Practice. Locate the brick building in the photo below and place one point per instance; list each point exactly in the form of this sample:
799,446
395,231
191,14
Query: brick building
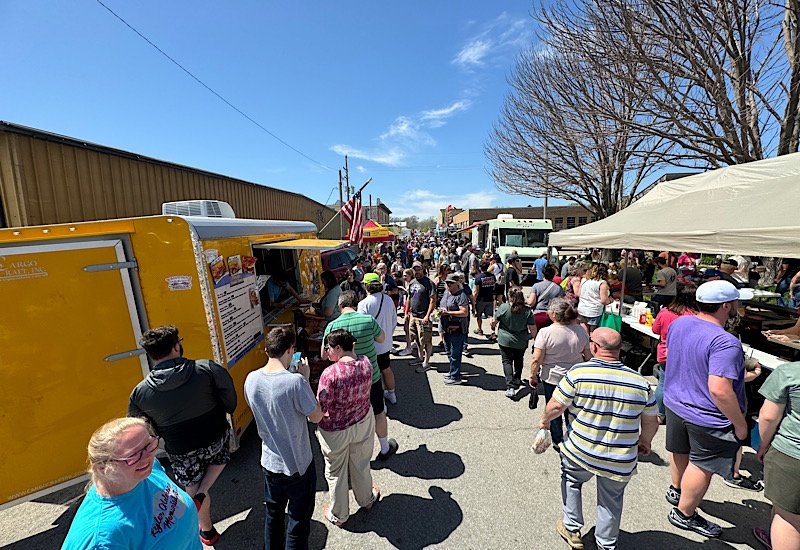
563,217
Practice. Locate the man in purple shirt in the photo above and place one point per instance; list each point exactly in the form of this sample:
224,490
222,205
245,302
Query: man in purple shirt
705,401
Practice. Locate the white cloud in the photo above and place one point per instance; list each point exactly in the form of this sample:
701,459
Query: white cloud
404,136
435,117
473,53
424,203
361,169
388,157
498,37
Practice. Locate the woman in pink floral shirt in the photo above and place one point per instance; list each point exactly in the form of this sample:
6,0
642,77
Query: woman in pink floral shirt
346,430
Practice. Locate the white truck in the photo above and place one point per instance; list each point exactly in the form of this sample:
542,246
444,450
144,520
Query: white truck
505,234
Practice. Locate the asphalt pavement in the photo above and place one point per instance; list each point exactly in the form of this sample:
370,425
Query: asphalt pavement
464,477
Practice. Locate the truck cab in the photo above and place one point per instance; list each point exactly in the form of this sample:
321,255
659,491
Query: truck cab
505,234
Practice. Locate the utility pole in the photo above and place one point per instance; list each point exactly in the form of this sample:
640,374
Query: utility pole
341,204
369,215
347,177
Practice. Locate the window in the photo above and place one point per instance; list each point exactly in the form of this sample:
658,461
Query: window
281,266
581,220
570,222
559,224
524,238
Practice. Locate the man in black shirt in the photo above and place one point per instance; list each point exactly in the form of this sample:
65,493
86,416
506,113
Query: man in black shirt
484,297
186,402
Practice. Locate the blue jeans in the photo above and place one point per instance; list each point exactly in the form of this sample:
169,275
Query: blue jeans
298,491
556,427
662,410
454,344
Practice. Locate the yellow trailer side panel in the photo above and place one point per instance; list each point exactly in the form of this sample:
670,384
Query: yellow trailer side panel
57,388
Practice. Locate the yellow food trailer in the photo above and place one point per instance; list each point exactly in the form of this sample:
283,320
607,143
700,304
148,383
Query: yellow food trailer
77,297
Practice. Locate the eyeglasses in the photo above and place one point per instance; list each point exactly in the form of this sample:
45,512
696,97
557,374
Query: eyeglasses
151,446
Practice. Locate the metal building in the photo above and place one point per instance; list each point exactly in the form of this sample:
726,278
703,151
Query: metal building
47,178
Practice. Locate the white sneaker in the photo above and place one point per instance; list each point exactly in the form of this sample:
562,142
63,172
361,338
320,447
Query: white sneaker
406,352
390,396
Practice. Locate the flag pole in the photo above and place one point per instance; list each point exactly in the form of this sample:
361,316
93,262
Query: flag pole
340,211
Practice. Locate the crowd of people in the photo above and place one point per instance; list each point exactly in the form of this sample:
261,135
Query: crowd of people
601,414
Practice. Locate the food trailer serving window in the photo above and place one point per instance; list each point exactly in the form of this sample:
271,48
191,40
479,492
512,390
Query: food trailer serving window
279,261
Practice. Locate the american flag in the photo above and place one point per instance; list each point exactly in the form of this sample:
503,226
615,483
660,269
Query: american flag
351,211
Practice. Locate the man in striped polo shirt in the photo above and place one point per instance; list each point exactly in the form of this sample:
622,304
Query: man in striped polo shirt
614,417
366,330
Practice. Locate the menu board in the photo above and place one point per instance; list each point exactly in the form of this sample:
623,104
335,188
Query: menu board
238,304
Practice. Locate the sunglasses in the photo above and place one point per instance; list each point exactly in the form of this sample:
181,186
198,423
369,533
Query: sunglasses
151,446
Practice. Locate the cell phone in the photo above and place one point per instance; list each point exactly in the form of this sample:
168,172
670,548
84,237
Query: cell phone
295,361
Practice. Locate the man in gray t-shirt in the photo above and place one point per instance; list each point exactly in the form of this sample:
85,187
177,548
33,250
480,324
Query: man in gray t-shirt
281,401
667,280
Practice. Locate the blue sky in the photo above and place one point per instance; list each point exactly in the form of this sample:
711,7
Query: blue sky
410,90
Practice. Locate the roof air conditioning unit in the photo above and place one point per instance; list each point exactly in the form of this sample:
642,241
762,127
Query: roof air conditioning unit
505,216
202,208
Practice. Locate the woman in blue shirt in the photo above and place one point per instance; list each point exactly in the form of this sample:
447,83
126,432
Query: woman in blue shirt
131,503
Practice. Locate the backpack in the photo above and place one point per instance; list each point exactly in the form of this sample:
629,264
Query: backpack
501,277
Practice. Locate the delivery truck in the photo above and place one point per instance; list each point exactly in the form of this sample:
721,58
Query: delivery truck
77,297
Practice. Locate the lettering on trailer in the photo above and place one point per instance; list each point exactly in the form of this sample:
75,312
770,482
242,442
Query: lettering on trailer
20,269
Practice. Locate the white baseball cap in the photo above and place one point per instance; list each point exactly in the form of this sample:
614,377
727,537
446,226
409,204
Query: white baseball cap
719,292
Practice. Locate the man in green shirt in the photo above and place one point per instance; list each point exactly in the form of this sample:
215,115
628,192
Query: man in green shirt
779,451
366,330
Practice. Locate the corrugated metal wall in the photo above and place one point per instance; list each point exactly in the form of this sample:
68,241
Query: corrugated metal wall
47,179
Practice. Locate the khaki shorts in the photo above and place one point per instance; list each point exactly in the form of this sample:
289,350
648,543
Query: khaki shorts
782,480
421,333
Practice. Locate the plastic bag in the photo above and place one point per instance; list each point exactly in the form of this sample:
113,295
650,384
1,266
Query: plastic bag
542,441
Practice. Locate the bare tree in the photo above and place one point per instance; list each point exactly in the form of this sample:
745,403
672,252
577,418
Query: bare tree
718,79
565,133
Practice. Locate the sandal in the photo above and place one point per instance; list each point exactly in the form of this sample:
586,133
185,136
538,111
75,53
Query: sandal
326,513
376,496
476,331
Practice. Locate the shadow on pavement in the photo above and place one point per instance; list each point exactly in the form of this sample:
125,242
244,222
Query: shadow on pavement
55,536
657,539
415,405
744,517
478,377
423,522
424,464
653,458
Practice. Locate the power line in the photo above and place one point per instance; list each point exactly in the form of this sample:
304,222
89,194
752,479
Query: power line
210,89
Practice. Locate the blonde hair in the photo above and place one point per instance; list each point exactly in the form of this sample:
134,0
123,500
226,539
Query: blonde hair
103,443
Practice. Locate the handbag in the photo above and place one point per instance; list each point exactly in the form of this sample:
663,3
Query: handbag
611,320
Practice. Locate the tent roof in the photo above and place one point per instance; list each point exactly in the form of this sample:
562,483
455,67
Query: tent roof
748,209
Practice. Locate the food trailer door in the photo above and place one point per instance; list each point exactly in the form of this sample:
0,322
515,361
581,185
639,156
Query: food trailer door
68,358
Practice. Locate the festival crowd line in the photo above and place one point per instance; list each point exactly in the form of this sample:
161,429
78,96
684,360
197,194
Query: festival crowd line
600,415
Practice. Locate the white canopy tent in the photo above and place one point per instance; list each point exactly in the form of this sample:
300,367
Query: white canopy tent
751,209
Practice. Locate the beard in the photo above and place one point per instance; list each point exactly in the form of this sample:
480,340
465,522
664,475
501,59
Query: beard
180,348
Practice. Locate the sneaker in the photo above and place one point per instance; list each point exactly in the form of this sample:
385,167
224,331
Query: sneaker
393,446
573,538
745,483
390,396
209,538
696,523
405,352
762,536
510,393
424,368
452,381
673,495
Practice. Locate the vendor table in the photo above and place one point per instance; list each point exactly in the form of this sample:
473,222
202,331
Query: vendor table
764,294
768,361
